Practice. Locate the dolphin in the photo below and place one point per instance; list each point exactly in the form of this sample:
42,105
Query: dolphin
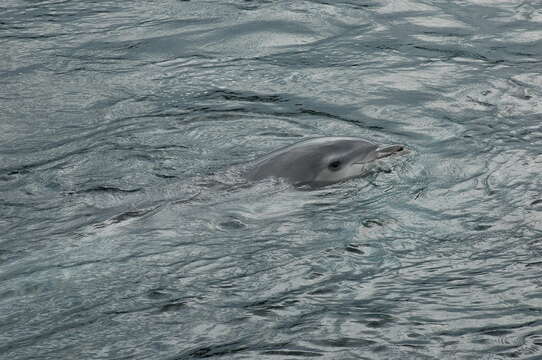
321,161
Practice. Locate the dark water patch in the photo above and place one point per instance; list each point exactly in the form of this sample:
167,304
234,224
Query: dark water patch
248,97
108,189
344,342
290,106
296,353
128,215
216,350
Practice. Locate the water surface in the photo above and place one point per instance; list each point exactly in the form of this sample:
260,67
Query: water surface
128,232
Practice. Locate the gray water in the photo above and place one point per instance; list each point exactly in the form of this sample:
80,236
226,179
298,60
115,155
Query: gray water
127,232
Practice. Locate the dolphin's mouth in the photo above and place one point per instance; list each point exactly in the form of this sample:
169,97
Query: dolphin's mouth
390,150
382,152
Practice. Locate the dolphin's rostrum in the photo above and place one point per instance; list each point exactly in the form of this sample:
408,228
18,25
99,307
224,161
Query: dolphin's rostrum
321,161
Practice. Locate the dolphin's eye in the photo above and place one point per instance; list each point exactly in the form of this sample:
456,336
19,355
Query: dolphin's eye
335,165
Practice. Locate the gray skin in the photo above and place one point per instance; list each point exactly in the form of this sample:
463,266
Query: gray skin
321,161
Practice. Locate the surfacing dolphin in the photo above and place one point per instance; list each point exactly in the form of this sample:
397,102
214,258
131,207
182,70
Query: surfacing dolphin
321,161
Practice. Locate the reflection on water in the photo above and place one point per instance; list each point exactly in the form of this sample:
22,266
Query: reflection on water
128,231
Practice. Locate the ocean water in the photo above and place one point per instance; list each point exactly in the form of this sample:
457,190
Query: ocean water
128,232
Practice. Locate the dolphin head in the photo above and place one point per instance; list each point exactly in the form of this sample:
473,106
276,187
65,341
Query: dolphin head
321,161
